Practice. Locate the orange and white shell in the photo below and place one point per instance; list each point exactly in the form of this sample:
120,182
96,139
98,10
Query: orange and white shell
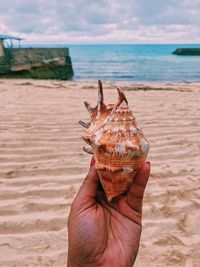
118,144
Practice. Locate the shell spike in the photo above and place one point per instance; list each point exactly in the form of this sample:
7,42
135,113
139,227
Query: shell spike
121,97
88,150
89,108
84,124
100,103
87,105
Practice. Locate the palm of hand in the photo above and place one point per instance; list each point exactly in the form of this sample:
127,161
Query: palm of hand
102,233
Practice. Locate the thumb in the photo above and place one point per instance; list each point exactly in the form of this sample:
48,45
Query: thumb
136,191
89,188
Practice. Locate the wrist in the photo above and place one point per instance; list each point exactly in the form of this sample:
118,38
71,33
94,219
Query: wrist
77,264
71,263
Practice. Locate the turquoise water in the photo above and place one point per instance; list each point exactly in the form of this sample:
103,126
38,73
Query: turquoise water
133,63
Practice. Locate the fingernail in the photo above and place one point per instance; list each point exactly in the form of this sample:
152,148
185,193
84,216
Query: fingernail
149,163
92,162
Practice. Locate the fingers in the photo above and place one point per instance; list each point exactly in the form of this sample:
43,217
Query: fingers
89,188
136,191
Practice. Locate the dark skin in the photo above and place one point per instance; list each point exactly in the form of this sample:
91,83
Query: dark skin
103,233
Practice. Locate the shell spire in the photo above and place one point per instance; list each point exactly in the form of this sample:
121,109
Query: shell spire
117,143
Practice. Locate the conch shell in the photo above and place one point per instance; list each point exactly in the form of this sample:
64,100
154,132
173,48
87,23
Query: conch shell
118,144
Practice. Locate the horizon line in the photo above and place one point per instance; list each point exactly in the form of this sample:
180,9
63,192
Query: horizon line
111,43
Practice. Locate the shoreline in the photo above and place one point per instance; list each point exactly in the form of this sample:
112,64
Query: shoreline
108,84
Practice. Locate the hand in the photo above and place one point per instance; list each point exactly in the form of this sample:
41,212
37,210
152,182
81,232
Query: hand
102,233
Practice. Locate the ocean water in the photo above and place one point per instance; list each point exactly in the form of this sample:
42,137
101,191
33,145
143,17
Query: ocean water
133,63
130,62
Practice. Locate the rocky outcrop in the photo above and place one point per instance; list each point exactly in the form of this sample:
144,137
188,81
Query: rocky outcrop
187,52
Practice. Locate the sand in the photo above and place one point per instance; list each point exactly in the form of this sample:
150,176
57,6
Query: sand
42,165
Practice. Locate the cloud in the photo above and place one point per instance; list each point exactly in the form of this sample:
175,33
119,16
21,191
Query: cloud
87,21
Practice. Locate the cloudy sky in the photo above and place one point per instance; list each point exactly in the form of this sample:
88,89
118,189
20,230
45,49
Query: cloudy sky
102,21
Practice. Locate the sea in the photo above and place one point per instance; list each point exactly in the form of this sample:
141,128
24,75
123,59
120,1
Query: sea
133,62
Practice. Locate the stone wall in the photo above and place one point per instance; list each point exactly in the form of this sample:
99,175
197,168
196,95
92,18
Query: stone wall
39,63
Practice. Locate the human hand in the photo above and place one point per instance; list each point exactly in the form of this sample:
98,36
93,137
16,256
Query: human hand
103,233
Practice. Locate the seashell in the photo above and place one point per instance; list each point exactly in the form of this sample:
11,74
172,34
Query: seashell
118,144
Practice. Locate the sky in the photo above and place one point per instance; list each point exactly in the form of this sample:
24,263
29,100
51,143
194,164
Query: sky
101,21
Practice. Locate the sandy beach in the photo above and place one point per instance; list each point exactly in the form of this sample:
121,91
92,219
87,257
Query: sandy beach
42,166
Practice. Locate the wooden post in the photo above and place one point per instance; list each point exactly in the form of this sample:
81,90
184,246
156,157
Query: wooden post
1,49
